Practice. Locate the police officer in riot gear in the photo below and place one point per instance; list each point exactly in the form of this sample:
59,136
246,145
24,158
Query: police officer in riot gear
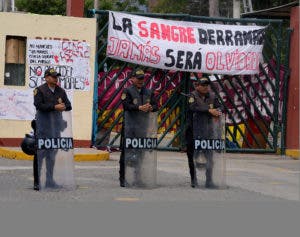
205,103
50,97
139,99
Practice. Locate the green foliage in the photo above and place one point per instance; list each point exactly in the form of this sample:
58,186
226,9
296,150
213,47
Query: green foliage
170,6
58,7
201,7
192,7
116,5
49,7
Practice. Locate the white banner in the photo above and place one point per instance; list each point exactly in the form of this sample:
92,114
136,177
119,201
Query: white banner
185,46
69,58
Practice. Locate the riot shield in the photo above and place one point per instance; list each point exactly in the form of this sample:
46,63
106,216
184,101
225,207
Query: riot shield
140,142
55,150
209,149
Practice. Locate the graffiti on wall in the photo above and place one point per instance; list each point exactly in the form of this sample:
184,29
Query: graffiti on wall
69,58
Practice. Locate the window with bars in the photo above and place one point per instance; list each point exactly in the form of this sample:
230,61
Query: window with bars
15,58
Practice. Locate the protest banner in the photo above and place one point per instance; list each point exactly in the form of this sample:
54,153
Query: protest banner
185,46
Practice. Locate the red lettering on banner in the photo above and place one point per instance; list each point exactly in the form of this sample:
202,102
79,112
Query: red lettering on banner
154,33
229,60
235,60
167,32
136,52
124,47
220,65
127,49
143,32
174,34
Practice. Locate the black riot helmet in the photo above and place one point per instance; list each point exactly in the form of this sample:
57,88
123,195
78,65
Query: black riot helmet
28,144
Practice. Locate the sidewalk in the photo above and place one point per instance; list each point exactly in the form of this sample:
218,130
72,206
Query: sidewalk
80,154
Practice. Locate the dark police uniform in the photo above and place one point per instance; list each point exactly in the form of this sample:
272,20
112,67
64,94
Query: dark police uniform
45,100
133,98
200,105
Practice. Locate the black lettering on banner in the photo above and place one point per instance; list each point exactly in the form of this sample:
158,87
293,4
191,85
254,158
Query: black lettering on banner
261,38
115,26
186,60
228,37
197,60
169,55
179,59
140,143
126,24
258,37
209,144
220,39
247,37
55,143
188,63
211,37
202,36
238,38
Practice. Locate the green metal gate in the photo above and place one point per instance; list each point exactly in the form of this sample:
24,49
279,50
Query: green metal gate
255,106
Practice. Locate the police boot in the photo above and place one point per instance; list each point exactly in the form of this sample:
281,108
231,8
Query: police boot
194,182
36,178
36,186
122,183
209,183
122,178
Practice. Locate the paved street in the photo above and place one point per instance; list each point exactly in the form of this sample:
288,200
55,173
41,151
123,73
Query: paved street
249,177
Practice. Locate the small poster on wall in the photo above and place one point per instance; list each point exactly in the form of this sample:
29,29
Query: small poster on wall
18,104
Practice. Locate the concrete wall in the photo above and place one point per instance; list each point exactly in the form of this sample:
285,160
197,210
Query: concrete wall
49,27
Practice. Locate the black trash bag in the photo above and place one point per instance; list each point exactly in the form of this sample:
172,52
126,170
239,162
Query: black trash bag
28,144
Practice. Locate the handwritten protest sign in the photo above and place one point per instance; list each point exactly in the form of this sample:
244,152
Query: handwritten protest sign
69,58
185,46
18,104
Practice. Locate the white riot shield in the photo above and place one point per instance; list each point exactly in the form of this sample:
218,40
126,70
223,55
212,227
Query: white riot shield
55,150
209,149
140,142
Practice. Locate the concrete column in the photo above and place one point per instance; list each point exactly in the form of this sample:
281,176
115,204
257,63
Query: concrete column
75,8
292,130
236,8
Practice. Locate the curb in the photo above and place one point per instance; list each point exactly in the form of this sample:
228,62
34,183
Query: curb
293,153
82,157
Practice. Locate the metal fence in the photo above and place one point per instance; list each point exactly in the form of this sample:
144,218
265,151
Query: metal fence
255,105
